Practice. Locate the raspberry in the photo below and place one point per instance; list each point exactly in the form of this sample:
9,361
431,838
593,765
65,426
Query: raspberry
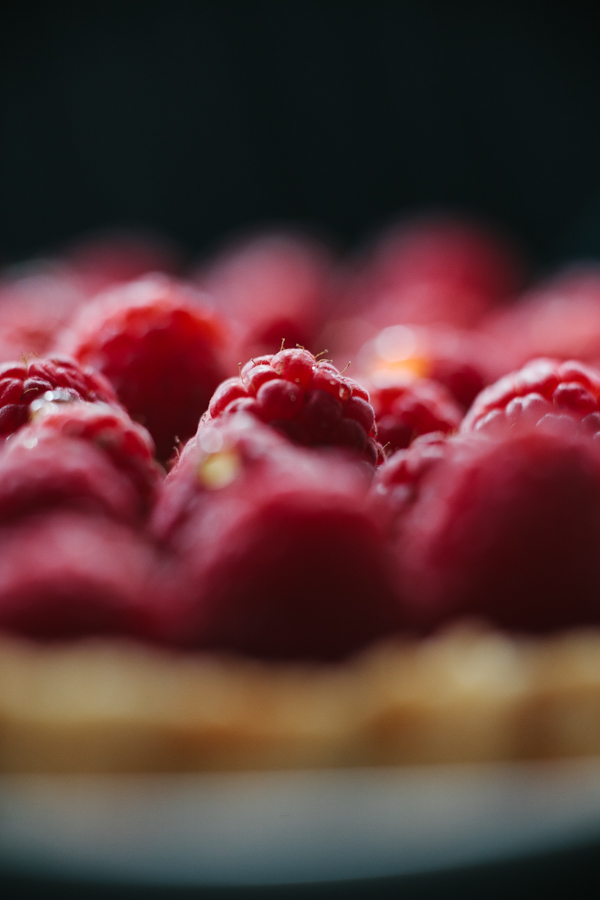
282,557
66,575
220,454
60,378
309,401
113,258
543,388
559,319
507,530
40,470
434,269
273,287
464,362
403,412
128,446
36,301
160,352
465,377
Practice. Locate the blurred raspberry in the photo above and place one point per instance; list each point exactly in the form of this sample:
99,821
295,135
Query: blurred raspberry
542,389
283,558
221,453
308,400
36,301
42,471
463,361
159,347
62,379
102,261
434,269
560,318
273,287
127,444
64,575
506,530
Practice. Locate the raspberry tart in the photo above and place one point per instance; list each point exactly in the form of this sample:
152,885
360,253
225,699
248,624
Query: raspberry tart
285,596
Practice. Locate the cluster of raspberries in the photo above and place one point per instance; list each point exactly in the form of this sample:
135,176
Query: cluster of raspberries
289,511
78,479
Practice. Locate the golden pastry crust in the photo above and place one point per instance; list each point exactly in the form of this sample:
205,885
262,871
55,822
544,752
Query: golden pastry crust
467,695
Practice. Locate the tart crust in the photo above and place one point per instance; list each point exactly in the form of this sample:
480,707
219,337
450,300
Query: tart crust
467,695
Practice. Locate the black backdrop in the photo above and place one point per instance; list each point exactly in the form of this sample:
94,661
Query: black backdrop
196,119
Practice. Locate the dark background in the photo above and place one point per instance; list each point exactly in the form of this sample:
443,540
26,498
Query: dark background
197,119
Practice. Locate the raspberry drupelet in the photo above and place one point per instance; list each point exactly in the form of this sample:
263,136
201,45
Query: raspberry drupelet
404,412
160,347
543,390
307,399
21,383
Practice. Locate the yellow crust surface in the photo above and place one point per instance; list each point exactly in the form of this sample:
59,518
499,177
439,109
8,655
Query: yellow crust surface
464,696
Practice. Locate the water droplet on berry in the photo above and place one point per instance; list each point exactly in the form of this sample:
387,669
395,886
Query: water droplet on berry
60,395
219,469
210,440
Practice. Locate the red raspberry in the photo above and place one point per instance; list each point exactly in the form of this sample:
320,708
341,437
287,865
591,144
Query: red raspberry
403,412
507,530
282,557
40,470
220,454
309,401
464,362
113,258
272,287
465,370
159,351
434,269
60,378
36,301
543,388
66,575
128,445
560,319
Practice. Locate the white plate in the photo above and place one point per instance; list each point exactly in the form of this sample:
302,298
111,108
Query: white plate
293,827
